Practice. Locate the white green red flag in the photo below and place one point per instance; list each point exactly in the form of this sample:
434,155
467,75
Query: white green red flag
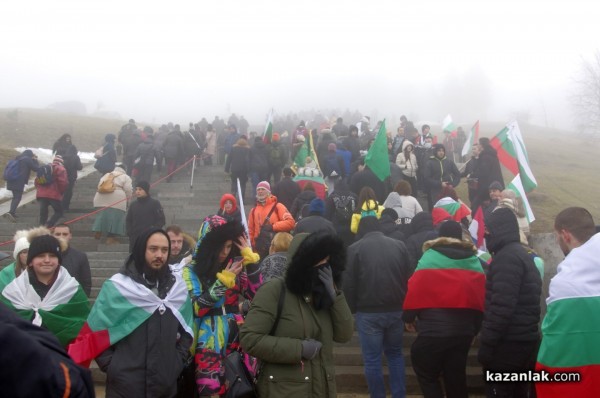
516,186
443,282
512,154
268,133
450,208
62,311
377,158
448,125
477,229
472,138
571,327
121,307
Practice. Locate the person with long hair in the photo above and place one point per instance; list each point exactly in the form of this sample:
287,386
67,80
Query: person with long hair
223,268
295,342
367,206
64,147
407,161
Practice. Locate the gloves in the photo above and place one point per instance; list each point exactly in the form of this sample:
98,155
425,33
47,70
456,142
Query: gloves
249,256
227,278
268,227
326,277
310,349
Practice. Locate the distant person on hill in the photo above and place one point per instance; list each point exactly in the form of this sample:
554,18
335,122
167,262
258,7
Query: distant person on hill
144,213
173,150
51,194
487,170
27,163
211,145
111,221
440,172
237,164
65,148
129,149
144,157
74,261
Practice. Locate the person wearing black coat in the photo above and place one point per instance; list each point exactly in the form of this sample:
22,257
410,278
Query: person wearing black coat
286,189
173,150
145,212
64,147
237,164
106,162
389,225
259,163
364,177
129,149
300,205
315,220
352,143
34,364
339,207
422,231
27,163
486,170
510,331
439,172
144,159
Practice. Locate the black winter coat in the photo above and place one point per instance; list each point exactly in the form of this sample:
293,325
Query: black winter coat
313,223
487,170
238,160
286,190
78,265
440,170
367,178
376,275
173,146
259,159
142,214
422,231
304,198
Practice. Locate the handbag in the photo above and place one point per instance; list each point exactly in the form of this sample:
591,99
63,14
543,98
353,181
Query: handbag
99,153
239,382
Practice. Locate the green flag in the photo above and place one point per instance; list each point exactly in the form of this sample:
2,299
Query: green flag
377,158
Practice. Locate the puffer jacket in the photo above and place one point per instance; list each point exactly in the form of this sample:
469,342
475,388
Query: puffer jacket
407,165
368,206
281,219
513,286
57,187
284,373
422,231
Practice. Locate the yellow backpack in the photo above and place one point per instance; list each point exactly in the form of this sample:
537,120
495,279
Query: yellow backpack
108,184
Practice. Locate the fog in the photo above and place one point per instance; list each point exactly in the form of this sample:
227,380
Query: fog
181,60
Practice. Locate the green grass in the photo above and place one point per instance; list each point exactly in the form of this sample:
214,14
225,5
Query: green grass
566,165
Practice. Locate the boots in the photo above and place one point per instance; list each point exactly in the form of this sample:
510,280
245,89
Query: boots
112,241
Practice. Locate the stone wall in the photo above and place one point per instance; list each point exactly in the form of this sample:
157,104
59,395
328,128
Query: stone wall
546,247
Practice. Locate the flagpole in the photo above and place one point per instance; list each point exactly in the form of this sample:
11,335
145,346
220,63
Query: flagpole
243,211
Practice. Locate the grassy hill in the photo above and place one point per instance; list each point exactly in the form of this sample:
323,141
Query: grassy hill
565,164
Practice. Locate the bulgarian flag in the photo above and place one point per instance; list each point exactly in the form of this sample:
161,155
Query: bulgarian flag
443,282
513,155
121,307
477,229
448,125
454,210
516,185
62,311
268,133
377,158
471,139
571,327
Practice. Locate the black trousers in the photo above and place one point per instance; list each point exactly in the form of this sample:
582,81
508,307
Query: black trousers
512,357
58,212
14,203
441,357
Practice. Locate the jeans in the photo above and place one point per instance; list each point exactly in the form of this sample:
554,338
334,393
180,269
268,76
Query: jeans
56,206
379,333
14,203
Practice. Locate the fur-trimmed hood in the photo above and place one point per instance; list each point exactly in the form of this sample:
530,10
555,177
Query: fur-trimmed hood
314,248
445,241
40,231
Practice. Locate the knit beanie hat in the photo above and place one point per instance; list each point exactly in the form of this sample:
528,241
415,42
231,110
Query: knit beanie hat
265,185
144,185
451,229
20,245
496,185
44,244
317,206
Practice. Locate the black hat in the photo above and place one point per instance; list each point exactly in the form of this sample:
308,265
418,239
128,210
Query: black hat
451,229
496,185
144,185
44,244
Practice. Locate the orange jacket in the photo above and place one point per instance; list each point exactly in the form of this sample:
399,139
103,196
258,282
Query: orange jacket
281,219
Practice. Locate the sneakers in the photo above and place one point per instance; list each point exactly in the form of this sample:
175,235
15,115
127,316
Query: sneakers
11,217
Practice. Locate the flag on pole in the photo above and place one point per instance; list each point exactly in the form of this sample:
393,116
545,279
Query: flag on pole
121,307
516,186
377,158
513,155
477,229
242,210
448,124
268,133
472,138
571,327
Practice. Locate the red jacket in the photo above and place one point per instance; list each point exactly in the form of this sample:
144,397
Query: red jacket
59,184
281,219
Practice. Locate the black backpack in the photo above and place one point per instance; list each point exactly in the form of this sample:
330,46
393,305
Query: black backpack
344,207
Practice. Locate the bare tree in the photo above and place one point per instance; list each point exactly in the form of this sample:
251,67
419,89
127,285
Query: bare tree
585,99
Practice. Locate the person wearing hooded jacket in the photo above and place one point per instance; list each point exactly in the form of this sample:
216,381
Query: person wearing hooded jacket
510,333
51,195
422,231
407,161
215,283
27,163
297,356
439,173
150,355
228,208
487,170
105,163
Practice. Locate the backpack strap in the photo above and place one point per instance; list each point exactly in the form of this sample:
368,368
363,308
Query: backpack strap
270,212
279,307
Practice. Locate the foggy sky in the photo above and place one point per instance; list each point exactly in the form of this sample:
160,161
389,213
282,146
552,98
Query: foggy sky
182,60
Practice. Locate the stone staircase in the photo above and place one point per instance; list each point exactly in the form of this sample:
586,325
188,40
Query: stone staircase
186,206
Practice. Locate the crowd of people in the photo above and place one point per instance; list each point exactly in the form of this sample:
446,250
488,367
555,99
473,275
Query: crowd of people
387,257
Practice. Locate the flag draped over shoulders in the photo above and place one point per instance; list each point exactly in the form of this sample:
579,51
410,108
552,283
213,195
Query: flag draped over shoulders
121,307
443,282
62,311
571,327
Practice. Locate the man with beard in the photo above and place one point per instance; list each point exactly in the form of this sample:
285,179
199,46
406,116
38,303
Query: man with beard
510,333
182,247
570,330
146,313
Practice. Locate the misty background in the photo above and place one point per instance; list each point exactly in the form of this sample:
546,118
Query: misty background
180,61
